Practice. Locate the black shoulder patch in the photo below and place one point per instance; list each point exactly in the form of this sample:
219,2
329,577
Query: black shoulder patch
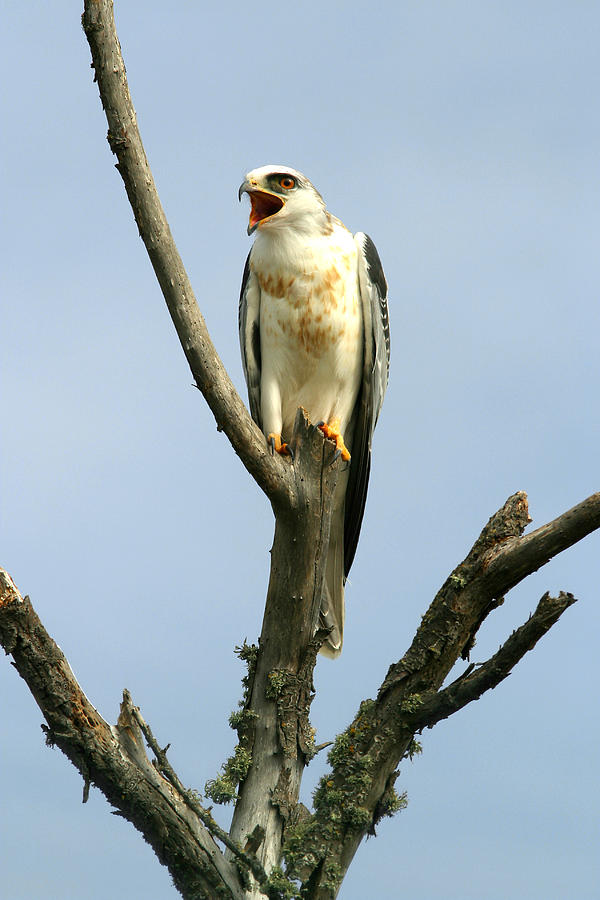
375,267
256,344
378,278
245,278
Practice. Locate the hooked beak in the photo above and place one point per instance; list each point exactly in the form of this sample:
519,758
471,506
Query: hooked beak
263,204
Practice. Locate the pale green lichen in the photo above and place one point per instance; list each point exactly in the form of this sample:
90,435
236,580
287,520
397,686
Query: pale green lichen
414,749
242,719
342,804
279,887
223,788
276,682
248,653
340,795
392,803
411,703
458,580
332,876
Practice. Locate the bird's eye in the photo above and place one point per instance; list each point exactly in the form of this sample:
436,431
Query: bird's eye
287,182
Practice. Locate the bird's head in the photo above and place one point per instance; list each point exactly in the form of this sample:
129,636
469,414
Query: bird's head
281,197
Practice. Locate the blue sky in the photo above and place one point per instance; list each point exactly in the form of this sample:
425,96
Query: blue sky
464,138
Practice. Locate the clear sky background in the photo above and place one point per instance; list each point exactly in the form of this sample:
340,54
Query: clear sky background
465,139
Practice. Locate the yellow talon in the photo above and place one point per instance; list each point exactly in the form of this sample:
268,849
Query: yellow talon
275,443
332,433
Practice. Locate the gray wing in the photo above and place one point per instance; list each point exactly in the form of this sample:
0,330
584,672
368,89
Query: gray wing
376,364
249,329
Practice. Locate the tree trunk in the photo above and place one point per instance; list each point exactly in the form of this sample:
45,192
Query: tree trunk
282,686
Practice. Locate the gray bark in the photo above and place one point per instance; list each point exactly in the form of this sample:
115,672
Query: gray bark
282,689
113,757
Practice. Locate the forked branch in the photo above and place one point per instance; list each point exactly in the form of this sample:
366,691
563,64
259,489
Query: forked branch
382,733
489,674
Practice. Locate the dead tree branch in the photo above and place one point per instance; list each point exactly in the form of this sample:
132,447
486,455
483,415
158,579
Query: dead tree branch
270,472
359,788
190,797
523,555
113,757
489,674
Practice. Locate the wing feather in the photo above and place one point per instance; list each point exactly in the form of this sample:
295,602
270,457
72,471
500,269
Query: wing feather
249,329
376,363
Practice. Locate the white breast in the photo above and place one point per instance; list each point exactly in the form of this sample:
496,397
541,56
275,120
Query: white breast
311,327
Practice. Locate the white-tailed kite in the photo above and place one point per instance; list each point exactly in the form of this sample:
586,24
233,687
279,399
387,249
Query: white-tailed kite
314,332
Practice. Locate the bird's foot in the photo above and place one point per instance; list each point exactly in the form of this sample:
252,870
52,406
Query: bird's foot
332,432
277,445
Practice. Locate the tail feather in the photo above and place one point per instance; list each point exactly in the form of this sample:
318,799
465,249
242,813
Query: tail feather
332,603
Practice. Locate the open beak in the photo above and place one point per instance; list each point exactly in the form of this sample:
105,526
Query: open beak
263,205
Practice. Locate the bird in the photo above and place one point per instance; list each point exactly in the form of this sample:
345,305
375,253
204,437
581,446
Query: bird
314,333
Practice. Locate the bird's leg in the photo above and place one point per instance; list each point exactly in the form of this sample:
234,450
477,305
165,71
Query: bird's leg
332,432
276,444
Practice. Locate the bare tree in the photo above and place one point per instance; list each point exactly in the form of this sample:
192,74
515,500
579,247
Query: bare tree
276,847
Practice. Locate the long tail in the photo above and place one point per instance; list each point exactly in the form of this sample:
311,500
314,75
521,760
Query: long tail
332,604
